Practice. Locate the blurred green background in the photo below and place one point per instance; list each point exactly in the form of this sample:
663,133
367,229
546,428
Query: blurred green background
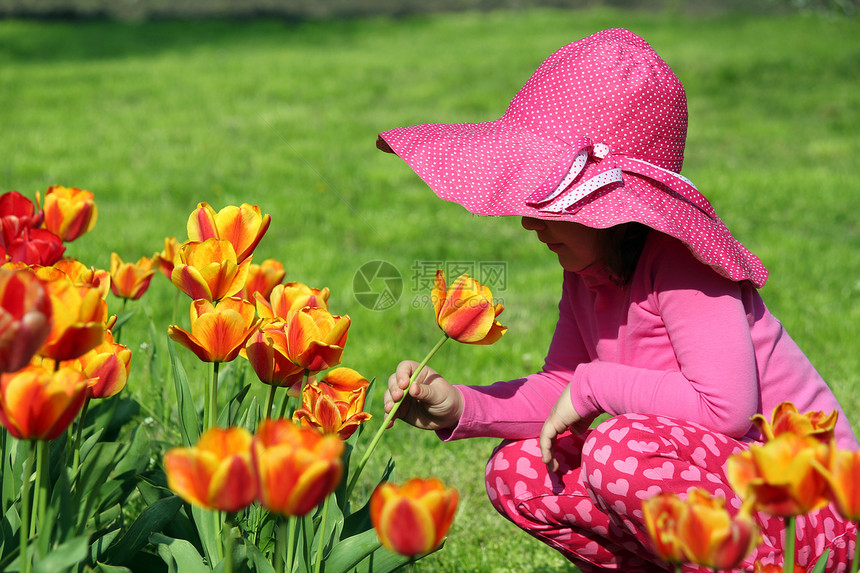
156,116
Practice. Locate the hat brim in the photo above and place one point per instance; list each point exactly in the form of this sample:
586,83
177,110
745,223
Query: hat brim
492,168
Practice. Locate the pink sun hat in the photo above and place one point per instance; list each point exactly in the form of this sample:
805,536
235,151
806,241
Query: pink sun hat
596,136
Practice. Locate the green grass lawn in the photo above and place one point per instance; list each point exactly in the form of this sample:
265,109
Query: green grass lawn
156,117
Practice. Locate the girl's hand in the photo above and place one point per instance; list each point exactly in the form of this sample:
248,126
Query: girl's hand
432,403
562,416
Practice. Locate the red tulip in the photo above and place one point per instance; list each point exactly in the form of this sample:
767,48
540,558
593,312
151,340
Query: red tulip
413,519
25,318
37,403
69,212
242,226
466,312
216,473
296,468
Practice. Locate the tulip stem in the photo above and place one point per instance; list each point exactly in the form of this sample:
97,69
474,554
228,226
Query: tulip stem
76,446
270,402
788,559
25,514
227,540
389,418
212,398
321,545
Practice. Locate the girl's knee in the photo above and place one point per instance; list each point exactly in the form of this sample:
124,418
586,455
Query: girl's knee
512,474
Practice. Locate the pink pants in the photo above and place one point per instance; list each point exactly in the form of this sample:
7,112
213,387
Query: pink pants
591,509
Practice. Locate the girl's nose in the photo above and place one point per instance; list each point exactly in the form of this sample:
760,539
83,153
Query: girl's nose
532,224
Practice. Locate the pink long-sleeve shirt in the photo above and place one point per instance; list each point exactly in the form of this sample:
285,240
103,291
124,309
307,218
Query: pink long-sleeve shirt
677,340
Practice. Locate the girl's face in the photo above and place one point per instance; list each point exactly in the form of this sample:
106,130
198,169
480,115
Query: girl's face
576,245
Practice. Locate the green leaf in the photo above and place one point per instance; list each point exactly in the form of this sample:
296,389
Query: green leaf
94,472
105,568
150,520
121,319
228,415
189,421
64,557
347,553
209,535
261,564
822,562
180,555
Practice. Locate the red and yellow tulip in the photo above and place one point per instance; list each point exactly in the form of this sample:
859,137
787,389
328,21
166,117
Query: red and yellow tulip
335,404
242,226
786,418
842,473
209,270
38,403
25,318
106,367
218,331
290,297
661,515
262,279
315,338
80,315
296,468
414,518
466,312
216,473
69,212
130,280
781,475
266,350
79,274
165,260
759,567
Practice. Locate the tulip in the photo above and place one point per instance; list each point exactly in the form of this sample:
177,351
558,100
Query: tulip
335,404
80,317
262,279
713,538
786,418
315,338
661,514
209,270
781,474
14,206
288,298
37,403
242,226
79,274
107,367
69,212
216,473
29,245
218,332
466,312
25,318
414,518
842,473
296,468
130,280
266,350
166,259
759,567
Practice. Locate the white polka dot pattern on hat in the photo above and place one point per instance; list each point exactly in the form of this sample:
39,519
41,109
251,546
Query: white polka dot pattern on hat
609,88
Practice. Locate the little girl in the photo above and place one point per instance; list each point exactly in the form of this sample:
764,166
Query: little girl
660,321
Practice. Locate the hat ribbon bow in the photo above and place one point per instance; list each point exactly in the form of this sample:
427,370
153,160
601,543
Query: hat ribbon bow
610,171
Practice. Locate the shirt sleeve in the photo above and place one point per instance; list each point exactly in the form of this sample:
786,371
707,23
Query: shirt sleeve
517,409
709,330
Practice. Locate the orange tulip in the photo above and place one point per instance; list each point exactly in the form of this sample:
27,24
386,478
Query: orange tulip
296,468
130,280
661,514
262,279
79,274
25,318
412,519
69,212
335,404
759,567
216,473
842,473
786,418
315,338
266,350
466,313
781,474
290,297
243,226
166,259
80,317
218,332
37,403
107,367
209,270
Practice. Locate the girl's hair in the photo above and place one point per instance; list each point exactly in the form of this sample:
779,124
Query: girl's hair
621,246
